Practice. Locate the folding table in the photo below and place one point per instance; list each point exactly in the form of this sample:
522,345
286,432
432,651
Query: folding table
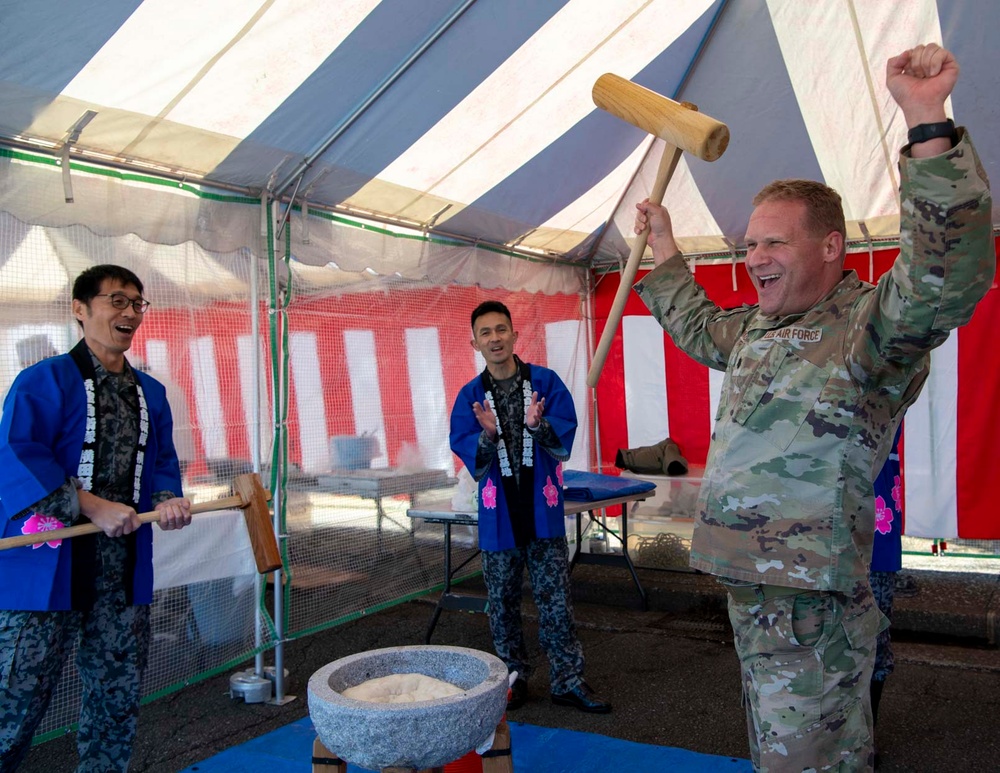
583,492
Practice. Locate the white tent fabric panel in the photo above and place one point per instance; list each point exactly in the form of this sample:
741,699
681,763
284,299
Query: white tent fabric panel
244,61
645,381
566,354
514,115
431,412
930,449
474,118
833,75
163,215
259,427
309,404
39,281
208,398
366,391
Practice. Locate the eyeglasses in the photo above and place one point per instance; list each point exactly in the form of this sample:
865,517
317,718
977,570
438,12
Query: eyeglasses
122,301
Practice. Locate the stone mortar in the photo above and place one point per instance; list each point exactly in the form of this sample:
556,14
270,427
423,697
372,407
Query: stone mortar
425,734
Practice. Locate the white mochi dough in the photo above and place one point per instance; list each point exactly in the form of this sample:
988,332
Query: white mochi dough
402,688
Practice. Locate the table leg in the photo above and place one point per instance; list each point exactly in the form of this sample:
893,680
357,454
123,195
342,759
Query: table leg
381,494
628,558
449,600
605,558
579,544
447,583
379,515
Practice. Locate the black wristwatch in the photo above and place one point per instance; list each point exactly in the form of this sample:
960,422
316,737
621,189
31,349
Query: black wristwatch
928,131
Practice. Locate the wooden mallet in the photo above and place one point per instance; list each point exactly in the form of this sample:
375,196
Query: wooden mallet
681,127
250,497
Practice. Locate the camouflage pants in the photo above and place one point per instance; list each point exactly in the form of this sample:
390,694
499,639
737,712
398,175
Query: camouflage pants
547,561
113,644
884,589
806,661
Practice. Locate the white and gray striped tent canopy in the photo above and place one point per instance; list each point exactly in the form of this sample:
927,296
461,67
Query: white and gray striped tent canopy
473,118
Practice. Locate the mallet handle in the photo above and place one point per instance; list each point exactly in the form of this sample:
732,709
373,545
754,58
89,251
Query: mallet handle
668,162
228,503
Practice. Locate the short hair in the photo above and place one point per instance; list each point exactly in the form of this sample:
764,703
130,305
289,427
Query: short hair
824,209
489,307
88,284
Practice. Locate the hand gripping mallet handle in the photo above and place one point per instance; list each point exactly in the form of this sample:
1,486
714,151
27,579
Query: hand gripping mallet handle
682,128
251,498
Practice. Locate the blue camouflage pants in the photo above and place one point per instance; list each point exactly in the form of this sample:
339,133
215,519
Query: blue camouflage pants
547,561
806,658
113,646
884,589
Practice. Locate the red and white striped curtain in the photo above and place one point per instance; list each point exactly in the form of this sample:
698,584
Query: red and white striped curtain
650,390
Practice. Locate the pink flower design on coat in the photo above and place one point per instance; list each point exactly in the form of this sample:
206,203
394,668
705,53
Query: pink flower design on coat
490,495
38,522
897,495
551,492
883,516
559,474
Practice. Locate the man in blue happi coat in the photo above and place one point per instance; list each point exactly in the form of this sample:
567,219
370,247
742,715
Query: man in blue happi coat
513,426
83,438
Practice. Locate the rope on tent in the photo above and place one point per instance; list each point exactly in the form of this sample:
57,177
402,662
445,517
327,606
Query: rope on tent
873,99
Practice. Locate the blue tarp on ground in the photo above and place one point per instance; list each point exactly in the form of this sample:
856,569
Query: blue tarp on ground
535,750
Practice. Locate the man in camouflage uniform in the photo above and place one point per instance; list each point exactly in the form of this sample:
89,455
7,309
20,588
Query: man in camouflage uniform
513,426
818,376
83,438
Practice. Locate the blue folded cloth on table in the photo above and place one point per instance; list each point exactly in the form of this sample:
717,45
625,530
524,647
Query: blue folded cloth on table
581,486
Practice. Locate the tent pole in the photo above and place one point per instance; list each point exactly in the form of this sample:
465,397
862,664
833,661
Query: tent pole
255,454
280,297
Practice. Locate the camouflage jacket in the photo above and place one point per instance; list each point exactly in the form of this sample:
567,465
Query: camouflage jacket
810,403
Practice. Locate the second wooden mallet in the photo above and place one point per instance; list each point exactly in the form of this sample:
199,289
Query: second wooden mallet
249,496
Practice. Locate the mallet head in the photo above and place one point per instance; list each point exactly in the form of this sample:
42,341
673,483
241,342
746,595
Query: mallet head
674,123
258,518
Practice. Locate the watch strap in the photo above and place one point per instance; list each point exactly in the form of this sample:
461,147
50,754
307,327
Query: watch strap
928,131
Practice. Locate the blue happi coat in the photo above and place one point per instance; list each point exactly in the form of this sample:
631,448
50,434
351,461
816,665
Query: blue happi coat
41,437
887,551
495,532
